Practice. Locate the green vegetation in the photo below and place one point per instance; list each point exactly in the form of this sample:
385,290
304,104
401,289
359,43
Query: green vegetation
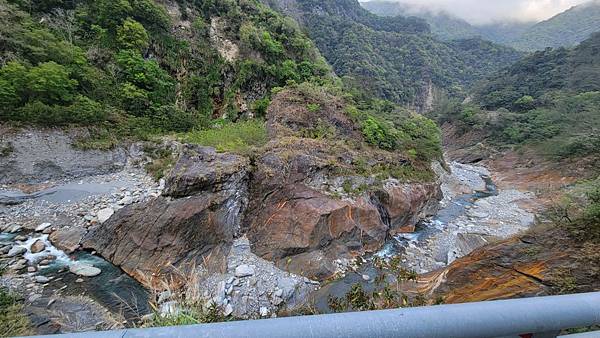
387,293
549,100
240,137
162,161
13,322
564,30
118,66
395,58
189,315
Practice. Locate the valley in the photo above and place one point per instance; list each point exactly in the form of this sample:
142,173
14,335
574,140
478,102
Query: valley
183,162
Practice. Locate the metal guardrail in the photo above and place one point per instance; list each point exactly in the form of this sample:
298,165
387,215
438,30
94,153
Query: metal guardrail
538,317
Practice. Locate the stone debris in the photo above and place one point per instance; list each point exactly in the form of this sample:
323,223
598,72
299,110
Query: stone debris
441,241
85,270
244,271
43,227
105,214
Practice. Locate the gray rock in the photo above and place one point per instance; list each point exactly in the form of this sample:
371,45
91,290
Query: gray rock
105,214
41,279
84,270
244,271
228,310
42,227
127,200
16,250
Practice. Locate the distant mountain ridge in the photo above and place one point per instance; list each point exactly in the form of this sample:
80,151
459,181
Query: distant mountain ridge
566,29
395,58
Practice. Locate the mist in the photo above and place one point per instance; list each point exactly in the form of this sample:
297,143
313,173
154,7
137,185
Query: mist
488,11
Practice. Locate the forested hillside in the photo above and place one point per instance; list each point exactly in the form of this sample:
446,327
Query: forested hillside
563,30
139,68
551,98
147,67
395,58
443,25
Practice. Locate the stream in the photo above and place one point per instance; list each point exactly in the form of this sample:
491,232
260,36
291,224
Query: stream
400,244
112,288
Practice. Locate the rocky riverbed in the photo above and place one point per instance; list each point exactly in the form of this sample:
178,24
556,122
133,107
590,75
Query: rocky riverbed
65,289
474,213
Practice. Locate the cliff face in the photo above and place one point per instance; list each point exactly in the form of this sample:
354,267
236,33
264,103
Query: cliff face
544,261
299,200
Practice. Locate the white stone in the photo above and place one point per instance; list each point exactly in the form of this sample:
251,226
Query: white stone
228,310
105,214
244,271
264,311
42,227
42,279
126,200
84,270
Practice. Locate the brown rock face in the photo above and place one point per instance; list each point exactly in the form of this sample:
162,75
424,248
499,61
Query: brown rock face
543,261
148,237
304,229
67,240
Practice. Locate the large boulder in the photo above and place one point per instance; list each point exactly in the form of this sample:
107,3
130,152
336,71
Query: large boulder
296,222
205,195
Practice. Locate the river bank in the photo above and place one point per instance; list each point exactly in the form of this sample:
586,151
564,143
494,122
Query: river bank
473,214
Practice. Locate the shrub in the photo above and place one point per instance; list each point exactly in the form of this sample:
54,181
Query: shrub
132,35
238,137
50,83
13,322
379,134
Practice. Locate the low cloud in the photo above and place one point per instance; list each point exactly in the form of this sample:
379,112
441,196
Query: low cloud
486,11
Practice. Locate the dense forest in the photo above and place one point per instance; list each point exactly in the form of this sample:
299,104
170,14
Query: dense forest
551,98
395,58
138,68
566,29
103,61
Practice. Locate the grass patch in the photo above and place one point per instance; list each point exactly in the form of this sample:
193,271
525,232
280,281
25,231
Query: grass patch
162,161
13,322
240,137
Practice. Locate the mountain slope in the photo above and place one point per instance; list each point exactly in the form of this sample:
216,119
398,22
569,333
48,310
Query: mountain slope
141,66
574,71
449,27
443,25
395,58
563,30
549,101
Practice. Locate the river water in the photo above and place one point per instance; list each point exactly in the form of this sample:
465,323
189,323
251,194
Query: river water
398,245
113,289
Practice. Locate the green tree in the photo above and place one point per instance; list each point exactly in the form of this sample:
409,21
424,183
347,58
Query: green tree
50,83
132,35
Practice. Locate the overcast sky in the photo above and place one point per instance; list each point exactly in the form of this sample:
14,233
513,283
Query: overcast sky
485,11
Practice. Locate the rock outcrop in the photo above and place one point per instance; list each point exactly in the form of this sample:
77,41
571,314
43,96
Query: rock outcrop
35,156
301,202
199,212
